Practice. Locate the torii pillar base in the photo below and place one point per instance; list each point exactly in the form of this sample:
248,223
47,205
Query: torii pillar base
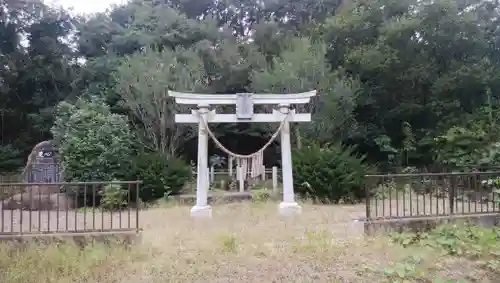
201,211
290,209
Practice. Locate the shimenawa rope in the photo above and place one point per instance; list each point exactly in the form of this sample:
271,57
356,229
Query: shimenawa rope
243,156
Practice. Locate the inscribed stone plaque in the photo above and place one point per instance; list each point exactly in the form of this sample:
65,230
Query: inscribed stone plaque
244,106
44,169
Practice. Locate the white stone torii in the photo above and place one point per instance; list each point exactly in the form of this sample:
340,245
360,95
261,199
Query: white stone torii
245,103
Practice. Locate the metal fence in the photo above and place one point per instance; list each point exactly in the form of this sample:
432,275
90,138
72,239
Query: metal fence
431,194
76,207
11,177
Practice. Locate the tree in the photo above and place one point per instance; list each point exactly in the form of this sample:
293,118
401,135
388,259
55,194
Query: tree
301,67
37,70
143,81
407,81
105,39
93,143
421,62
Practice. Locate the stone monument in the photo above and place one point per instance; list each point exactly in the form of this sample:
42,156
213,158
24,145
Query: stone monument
42,166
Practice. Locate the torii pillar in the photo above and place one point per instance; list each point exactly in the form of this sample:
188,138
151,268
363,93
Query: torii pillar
244,105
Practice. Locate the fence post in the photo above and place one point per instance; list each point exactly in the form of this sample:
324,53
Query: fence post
212,174
263,173
137,200
241,180
451,195
275,180
367,200
230,165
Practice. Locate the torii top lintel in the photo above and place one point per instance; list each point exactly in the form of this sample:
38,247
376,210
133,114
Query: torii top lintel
228,99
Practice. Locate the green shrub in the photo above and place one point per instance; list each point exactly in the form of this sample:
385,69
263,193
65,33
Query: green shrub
11,158
161,176
261,195
463,240
480,245
328,174
113,196
93,143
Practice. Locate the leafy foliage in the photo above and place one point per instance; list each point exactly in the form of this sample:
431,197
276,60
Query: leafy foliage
410,83
460,242
161,176
457,240
35,74
301,67
113,196
261,195
374,40
94,144
328,174
404,271
476,243
10,158
143,79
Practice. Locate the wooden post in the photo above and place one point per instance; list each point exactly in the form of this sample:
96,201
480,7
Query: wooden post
208,178
212,174
241,180
230,166
275,181
263,173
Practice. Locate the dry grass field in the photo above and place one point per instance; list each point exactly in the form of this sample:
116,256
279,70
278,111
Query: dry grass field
243,242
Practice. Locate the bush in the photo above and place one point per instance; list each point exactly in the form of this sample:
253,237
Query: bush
261,195
11,158
161,176
113,196
328,174
93,143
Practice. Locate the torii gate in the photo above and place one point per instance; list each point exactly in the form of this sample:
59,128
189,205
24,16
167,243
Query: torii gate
244,113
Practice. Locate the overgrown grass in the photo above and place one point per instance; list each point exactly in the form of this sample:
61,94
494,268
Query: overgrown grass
63,262
477,247
250,242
